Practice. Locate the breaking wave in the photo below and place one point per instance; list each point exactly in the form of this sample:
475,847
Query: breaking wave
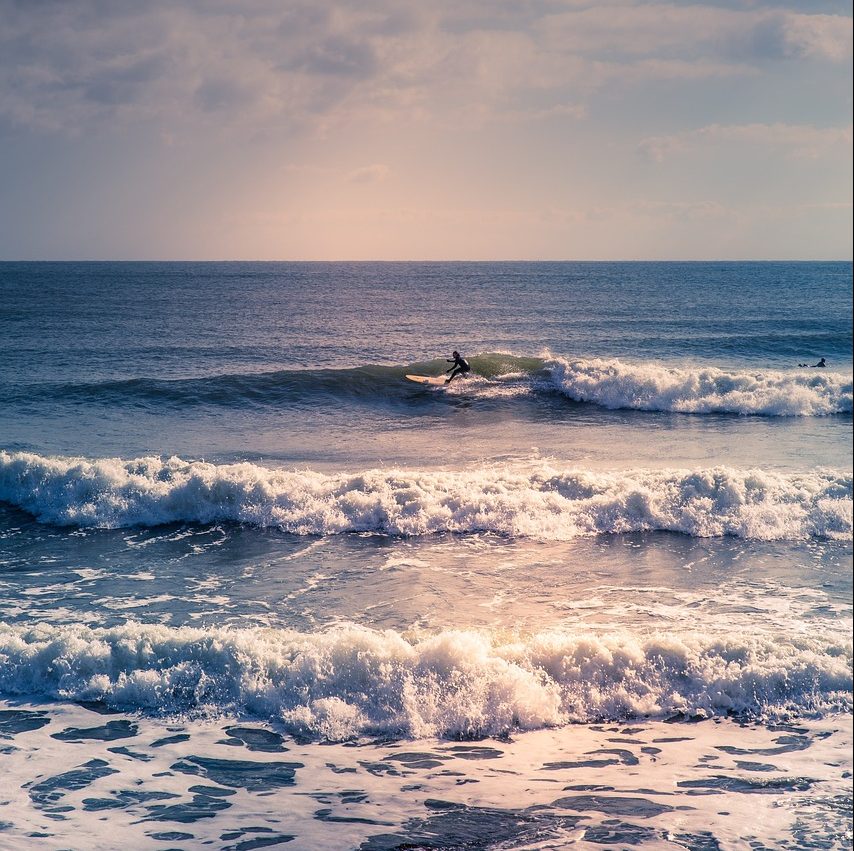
609,383
350,681
533,499
702,390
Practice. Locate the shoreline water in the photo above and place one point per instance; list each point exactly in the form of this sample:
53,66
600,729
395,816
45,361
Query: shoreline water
240,785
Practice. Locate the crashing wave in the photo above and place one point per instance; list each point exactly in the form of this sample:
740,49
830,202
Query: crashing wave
534,500
702,390
350,681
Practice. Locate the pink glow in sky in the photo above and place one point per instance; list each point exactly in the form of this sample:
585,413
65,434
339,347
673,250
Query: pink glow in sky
411,130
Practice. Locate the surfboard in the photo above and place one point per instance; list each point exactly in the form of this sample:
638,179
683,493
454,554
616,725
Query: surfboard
434,380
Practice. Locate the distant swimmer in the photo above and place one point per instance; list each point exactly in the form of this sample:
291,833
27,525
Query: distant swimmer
821,364
460,367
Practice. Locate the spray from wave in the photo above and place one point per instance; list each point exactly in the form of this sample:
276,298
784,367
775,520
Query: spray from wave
535,499
351,681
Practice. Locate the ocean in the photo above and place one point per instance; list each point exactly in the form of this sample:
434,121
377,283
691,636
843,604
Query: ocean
259,590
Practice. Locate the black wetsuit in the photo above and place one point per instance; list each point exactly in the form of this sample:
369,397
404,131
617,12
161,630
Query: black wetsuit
460,367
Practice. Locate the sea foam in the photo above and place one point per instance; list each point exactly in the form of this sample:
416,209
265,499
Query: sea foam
651,386
535,500
350,681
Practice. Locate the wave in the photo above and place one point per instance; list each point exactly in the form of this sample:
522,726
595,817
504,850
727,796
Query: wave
351,681
702,390
254,388
371,382
533,499
609,383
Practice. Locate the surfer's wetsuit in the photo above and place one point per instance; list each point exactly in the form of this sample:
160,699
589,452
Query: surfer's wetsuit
460,367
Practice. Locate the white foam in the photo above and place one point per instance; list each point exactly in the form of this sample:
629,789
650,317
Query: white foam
536,500
351,681
702,390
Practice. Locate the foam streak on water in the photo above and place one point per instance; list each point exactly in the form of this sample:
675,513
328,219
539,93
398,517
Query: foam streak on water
237,786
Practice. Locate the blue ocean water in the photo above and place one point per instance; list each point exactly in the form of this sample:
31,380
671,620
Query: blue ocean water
220,498
304,362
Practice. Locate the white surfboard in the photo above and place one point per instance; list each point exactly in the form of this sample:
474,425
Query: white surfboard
433,380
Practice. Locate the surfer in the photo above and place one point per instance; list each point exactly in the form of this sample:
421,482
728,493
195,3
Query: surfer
460,367
820,365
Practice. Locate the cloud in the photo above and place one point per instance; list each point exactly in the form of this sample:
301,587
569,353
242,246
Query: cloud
682,211
66,66
374,173
790,35
796,140
335,56
575,111
672,30
82,64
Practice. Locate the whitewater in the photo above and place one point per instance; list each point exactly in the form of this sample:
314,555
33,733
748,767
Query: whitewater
257,590
351,681
533,500
652,387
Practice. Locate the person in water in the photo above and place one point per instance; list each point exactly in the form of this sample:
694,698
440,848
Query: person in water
460,367
821,364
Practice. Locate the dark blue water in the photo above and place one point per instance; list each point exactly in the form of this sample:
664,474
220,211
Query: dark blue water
170,320
228,360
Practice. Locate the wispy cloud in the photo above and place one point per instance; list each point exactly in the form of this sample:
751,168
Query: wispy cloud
374,173
821,36
797,140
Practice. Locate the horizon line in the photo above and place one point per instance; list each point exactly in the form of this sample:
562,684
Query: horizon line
430,260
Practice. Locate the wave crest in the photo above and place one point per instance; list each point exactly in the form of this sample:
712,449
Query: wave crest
534,500
702,390
350,681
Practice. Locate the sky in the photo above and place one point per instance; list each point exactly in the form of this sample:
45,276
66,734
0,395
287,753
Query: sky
425,130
